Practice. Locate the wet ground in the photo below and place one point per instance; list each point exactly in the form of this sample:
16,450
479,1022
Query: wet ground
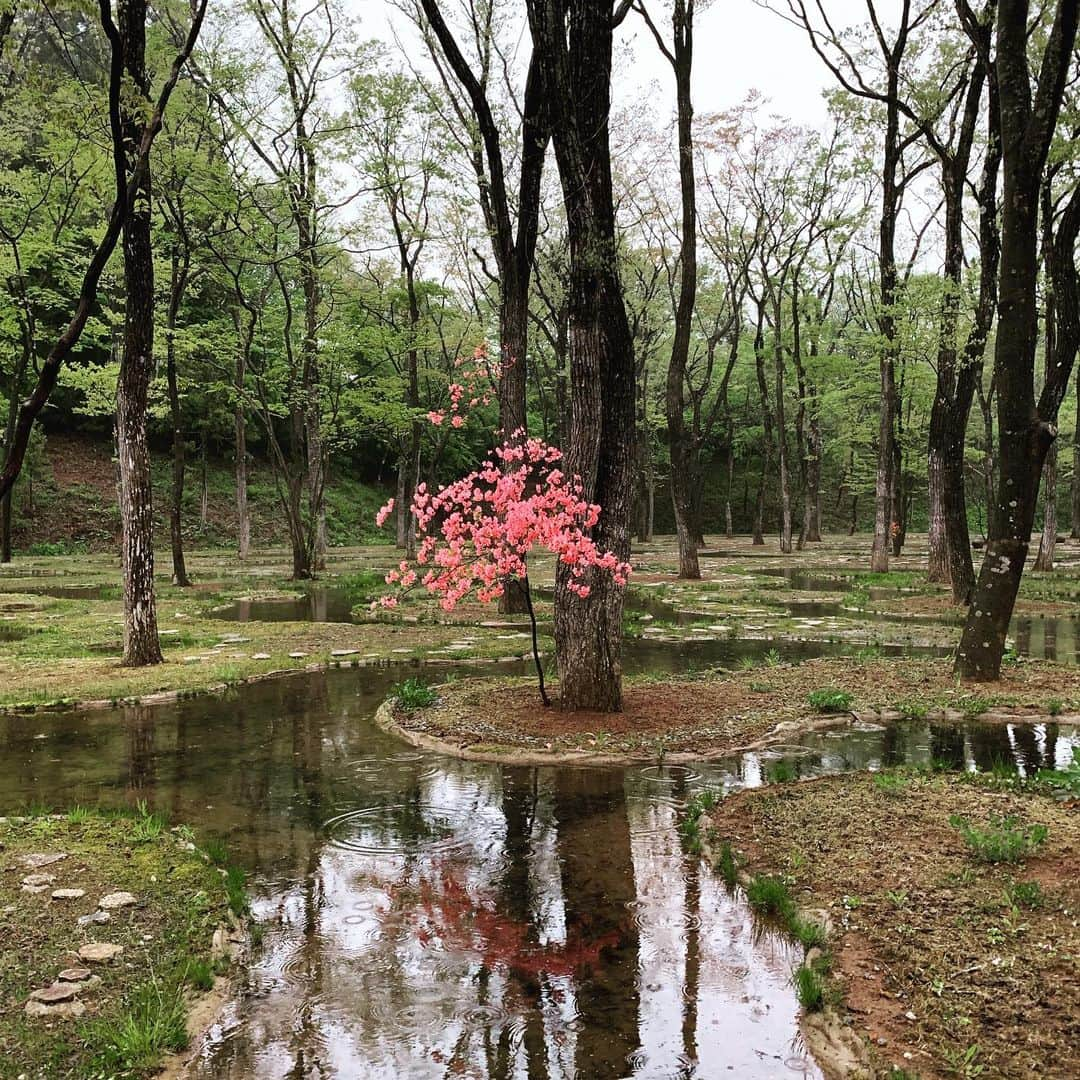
427,916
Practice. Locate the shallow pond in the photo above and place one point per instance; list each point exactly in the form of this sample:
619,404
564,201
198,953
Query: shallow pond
427,916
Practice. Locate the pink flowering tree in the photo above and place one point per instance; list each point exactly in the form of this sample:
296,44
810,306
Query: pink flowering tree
476,534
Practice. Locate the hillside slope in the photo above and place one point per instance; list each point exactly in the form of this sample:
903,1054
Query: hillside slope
67,501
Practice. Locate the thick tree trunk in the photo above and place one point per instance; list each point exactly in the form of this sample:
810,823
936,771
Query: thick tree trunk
1026,427
141,644
573,39
938,565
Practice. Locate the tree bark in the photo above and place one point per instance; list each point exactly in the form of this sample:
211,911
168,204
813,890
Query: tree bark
1026,427
573,39
177,287
141,644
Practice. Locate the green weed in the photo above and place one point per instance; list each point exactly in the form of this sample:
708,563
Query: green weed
1003,840
414,694
830,700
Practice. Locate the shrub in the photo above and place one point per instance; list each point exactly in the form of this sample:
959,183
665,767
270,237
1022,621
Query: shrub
829,700
1004,839
414,694
1025,894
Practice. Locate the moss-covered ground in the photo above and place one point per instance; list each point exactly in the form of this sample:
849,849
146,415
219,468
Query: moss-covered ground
124,1015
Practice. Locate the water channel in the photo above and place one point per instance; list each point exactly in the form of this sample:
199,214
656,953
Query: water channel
430,917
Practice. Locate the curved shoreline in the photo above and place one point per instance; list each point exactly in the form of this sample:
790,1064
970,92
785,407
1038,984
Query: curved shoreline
169,697
509,754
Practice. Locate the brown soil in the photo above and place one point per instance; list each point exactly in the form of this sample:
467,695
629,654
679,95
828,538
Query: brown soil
933,957
717,713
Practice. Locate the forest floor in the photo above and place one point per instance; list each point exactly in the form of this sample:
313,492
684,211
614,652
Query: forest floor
952,938
118,940
61,626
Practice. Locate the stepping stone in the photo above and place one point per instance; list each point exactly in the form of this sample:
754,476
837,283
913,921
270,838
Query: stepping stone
35,881
260,656
100,952
64,1010
297,655
193,659
97,918
167,633
39,859
74,975
117,900
344,652
53,995
68,894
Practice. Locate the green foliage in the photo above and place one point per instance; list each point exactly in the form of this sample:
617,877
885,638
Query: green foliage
811,935
414,694
890,783
1066,780
697,806
153,1024
809,988
1004,839
830,700
770,895
200,975
1025,894
727,866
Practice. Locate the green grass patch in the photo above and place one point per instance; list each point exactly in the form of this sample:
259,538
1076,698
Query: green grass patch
1004,839
830,700
414,694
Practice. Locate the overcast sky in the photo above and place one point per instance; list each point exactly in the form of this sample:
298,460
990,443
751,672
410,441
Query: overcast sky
738,47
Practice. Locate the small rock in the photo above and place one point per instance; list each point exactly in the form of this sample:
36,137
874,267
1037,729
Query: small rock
100,952
56,993
910,1015
68,894
297,655
117,900
37,880
219,946
97,918
64,1010
39,859
260,656
34,888
74,975
344,652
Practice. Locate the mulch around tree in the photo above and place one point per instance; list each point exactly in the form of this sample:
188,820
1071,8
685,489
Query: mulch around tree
720,712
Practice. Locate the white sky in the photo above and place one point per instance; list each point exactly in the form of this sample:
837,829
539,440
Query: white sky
738,47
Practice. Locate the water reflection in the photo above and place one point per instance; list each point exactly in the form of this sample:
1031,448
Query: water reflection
431,917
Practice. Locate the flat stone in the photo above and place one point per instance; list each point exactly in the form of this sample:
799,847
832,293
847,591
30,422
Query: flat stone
56,993
37,860
97,918
260,656
36,880
34,888
344,652
297,655
116,900
100,952
64,1010
68,894
74,975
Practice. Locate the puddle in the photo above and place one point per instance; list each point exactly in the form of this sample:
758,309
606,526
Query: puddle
428,917
318,604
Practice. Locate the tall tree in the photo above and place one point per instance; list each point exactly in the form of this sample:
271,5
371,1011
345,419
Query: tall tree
680,448
573,39
1030,104
513,243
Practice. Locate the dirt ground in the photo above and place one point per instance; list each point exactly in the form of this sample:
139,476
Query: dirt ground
944,967
722,711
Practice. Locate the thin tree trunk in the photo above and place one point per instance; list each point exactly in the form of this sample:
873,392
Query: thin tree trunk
1045,559
178,284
